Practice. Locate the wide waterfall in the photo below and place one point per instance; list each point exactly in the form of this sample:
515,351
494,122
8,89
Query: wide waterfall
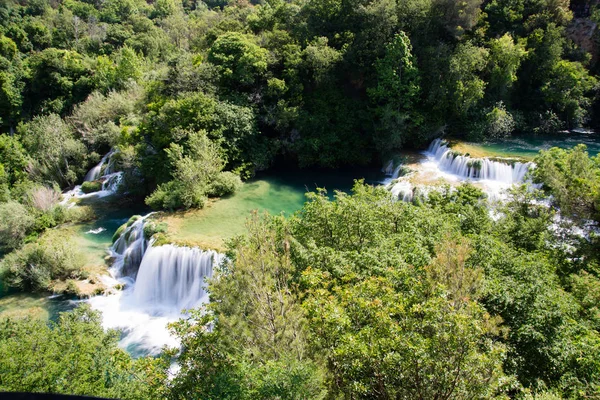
160,282
439,165
477,168
173,278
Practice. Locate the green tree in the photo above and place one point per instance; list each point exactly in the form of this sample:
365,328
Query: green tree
396,94
72,356
239,60
57,156
573,179
257,347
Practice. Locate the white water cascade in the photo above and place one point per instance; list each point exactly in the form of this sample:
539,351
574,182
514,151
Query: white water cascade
159,286
439,164
104,171
477,168
171,278
128,250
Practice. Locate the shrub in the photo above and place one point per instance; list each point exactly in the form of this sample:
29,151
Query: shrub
226,183
34,266
89,187
15,223
151,228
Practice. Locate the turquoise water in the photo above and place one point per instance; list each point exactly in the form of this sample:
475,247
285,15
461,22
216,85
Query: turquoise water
529,146
111,215
275,193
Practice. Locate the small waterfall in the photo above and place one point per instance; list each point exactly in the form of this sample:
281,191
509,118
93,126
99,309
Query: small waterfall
102,171
172,278
128,250
466,167
112,181
96,172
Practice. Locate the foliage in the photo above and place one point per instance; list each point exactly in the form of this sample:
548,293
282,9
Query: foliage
57,155
258,345
72,356
196,174
573,179
15,223
34,266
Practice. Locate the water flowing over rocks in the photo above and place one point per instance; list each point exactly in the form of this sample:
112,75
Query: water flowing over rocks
103,171
441,165
160,283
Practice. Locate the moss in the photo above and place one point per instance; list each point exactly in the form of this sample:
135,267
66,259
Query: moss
152,228
119,232
89,187
123,227
133,219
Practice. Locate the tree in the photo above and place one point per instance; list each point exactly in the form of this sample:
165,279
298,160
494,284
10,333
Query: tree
568,91
194,170
467,88
573,179
72,356
238,59
504,62
396,94
15,223
57,155
257,347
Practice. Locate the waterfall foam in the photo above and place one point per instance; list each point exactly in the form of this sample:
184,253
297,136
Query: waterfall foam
466,167
104,171
160,282
439,165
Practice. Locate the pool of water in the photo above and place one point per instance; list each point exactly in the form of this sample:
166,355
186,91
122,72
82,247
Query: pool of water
528,146
93,239
273,192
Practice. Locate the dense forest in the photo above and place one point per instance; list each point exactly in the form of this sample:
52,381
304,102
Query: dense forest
359,296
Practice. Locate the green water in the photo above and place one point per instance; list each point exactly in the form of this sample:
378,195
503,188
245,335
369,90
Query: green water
529,146
275,193
110,215
95,237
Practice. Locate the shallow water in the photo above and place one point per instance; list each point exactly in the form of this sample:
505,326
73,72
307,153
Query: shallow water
528,146
275,193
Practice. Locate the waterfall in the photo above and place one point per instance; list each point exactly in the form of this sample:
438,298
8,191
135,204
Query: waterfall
172,278
160,282
128,250
102,171
95,173
466,167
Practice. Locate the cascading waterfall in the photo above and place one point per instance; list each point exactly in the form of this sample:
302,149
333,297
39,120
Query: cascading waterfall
129,249
172,278
102,171
441,163
476,168
160,282
95,173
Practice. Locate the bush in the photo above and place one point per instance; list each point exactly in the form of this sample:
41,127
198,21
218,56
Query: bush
151,228
15,223
89,187
175,194
72,356
225,184
34,266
